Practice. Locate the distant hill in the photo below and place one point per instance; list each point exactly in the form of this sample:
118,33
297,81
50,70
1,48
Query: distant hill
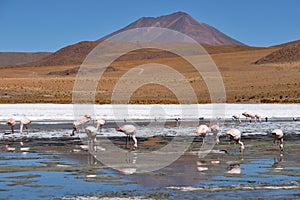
287,43
288,53
70,55
179,21
8,59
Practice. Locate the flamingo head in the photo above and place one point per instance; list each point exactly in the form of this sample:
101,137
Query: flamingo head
11,122
242,148
87,116
245,114
215,128
119,129
100,123
217,140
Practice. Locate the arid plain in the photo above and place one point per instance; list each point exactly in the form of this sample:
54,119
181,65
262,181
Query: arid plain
244,81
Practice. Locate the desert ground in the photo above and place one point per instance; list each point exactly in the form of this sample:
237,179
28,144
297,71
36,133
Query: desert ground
244,81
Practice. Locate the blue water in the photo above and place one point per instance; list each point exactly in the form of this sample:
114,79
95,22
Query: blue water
55,171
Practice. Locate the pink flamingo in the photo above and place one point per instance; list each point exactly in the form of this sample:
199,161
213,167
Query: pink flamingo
11,122
129,130
236,118
100,123
24,122
91,131
278,135
202,130
80,122
235,135
215,128
249,115
257,117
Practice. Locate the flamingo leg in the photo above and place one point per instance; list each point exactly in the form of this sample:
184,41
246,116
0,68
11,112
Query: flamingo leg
126,144
73,131
228,146
130,142
235,147
281,144
26,128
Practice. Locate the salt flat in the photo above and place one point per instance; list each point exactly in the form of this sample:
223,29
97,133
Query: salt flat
133,111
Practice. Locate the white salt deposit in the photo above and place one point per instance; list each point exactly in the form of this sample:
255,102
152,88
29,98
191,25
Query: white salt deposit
40,112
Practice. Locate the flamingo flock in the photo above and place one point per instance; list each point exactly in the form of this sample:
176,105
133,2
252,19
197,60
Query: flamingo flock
130,130
252,116
235,134
91,131
23,123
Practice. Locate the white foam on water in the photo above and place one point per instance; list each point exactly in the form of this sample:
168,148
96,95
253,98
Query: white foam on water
232,187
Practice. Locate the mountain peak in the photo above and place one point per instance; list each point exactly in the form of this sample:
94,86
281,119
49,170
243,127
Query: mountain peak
184,23
178,21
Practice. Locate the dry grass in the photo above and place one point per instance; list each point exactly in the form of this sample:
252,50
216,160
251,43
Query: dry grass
244,82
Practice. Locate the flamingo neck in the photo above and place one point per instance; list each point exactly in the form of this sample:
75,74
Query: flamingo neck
135,141
21,128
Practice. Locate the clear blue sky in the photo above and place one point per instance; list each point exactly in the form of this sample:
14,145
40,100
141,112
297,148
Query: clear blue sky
48,25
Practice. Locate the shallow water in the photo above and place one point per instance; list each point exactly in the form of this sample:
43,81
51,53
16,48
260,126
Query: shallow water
55,166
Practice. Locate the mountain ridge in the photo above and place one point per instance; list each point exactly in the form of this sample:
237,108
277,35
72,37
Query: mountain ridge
182,22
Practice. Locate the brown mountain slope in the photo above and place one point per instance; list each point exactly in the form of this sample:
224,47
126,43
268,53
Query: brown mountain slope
288,53
182,22
13,58
70,55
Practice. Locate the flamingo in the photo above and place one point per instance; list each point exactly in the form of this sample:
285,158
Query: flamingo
236,118
129,130
202,130
257,117
11,122
235,135
76,124
91,132
100,123
249,115
278,135
215,128
24,122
